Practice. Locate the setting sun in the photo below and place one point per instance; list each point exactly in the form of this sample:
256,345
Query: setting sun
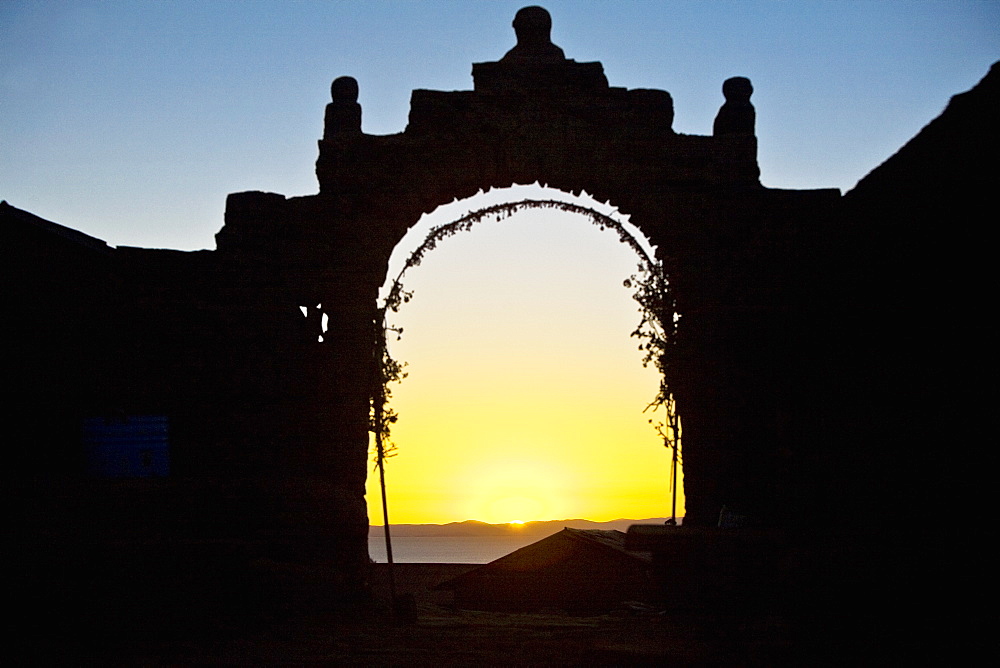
525,394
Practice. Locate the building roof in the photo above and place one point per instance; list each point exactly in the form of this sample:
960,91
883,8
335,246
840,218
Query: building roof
11,215
545,553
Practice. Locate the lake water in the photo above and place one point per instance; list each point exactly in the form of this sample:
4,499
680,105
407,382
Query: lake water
447,549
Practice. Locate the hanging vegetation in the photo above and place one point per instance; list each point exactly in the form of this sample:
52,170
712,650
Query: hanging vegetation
655,331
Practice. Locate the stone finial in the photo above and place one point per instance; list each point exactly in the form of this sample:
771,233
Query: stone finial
737,115
533,27
343,114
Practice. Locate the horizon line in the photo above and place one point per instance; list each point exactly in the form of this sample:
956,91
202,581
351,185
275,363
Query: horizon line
517,523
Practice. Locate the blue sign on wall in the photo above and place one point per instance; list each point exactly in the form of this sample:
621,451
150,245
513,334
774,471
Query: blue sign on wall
134,446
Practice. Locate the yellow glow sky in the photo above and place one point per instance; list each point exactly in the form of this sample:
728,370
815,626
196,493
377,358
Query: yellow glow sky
525,392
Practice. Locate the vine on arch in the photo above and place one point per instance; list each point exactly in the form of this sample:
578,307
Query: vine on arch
655,332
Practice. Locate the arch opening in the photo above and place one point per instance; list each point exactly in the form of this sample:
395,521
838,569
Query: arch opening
525,396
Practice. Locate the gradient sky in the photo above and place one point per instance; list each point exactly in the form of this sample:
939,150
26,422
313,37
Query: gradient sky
131,121
526,394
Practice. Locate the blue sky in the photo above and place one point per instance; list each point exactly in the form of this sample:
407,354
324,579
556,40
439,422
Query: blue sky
131,121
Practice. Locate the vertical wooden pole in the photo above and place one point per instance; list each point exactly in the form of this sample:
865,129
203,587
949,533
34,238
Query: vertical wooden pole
385,520
378,420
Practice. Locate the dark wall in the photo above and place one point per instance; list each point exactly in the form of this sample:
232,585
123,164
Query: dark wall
58,287
917,278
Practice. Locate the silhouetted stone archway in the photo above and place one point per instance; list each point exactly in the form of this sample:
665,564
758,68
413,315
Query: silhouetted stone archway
537,116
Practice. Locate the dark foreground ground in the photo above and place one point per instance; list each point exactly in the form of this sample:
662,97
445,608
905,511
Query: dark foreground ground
126,591
440,635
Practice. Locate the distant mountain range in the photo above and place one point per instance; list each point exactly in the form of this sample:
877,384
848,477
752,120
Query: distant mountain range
473,528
